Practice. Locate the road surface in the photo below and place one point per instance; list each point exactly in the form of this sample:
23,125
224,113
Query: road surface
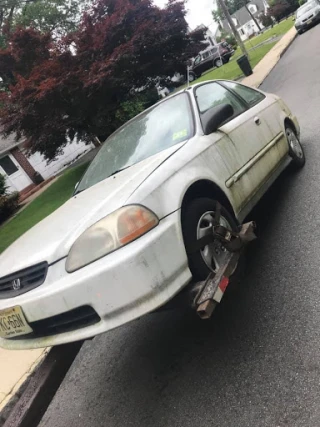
257,362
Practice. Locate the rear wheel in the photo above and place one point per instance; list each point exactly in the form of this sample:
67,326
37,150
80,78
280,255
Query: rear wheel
295,149
218,62
197,222
192,76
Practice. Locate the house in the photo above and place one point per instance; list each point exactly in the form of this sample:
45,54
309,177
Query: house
243,21
24,172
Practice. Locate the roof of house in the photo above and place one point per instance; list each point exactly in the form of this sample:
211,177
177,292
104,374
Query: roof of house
243,16
6,144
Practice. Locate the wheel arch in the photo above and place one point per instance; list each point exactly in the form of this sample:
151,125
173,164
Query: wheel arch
289,123
206,188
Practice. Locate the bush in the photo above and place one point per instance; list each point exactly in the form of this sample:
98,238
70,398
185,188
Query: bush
265,20
3,187
8,204
301,2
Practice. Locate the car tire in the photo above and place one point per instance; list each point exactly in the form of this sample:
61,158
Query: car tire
218,63
295,149
193,221
192,76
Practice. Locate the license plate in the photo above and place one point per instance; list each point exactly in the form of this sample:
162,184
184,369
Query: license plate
13,323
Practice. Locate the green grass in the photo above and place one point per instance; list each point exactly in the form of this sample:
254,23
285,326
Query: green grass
231,71
276,31
58,193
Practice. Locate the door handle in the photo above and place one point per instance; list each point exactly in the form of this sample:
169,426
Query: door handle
257,121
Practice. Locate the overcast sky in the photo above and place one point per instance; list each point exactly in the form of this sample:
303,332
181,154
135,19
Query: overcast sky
199,12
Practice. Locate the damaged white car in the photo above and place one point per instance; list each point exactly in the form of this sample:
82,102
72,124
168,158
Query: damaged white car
120,247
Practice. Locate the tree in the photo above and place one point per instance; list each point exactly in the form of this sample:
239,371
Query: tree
75,86
279,9
266,20
60,16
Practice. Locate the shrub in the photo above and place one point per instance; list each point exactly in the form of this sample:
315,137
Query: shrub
265,20
3,187
8,204
301,2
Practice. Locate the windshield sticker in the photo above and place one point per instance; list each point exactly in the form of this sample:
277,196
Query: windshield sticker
181,134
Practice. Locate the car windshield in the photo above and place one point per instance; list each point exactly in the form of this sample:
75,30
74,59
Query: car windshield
167,124
310,5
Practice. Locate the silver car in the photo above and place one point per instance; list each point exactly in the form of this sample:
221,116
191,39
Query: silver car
307,16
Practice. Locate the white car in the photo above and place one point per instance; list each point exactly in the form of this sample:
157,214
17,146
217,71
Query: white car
120,247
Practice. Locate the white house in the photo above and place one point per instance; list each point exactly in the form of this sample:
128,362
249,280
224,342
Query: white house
243,21
23,173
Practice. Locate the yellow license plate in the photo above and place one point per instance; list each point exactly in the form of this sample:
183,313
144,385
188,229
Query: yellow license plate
13,323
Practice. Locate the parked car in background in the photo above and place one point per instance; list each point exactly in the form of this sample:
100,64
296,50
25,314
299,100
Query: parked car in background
213,56
127,241
307,15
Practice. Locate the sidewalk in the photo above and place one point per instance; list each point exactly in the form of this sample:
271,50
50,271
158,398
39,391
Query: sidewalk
269,61
15,367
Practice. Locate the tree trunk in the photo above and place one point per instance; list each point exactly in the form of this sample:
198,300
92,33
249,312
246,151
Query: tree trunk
252,17
232,26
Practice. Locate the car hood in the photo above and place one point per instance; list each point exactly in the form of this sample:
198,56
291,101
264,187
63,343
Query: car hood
52,238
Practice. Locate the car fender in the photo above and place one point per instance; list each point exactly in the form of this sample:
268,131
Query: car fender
164,190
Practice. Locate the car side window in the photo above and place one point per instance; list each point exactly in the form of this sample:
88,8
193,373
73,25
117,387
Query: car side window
197,60
212,94
249,95
205,55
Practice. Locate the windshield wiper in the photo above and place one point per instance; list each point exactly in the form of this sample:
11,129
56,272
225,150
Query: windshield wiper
120,170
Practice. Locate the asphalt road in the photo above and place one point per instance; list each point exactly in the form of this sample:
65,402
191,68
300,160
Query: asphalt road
257,362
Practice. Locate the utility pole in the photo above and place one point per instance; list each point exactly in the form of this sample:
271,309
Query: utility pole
232,26
252,17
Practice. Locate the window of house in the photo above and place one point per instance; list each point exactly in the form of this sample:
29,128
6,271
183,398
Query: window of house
250,96
7,165
252,8
213,94
241,32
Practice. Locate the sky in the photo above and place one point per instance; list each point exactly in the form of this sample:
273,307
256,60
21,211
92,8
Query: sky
199,12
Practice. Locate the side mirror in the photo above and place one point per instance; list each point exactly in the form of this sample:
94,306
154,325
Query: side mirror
213,118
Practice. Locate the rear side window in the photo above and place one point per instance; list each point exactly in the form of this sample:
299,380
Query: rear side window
212,94
249,95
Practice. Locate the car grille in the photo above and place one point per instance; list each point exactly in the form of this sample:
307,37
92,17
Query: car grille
309,17
70,321
23,281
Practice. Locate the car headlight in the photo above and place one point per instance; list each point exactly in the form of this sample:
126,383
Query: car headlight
110,233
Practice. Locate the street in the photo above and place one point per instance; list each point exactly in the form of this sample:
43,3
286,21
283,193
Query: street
256,362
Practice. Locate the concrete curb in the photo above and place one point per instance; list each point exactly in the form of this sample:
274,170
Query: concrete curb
270,60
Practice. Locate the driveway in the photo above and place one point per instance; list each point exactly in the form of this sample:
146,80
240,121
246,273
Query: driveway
257,362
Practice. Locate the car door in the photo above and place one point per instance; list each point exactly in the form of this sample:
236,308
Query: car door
246,134
267,111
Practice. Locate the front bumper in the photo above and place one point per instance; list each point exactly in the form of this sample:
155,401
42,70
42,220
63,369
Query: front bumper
120,287
308,24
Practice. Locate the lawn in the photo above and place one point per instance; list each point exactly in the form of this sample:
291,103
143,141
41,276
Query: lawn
58,193
231,71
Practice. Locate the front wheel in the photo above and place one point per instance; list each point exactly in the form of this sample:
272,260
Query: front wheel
197,222
295,149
